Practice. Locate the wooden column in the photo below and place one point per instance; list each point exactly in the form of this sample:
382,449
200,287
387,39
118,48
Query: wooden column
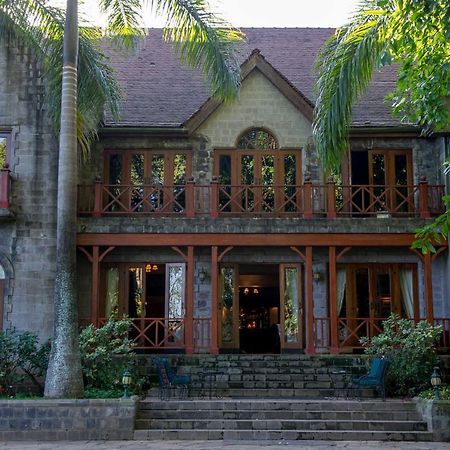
189,312
310,347
214,299
95,284
334,348
428,285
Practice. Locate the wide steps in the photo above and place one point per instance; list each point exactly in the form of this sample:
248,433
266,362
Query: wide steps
266,419
282,435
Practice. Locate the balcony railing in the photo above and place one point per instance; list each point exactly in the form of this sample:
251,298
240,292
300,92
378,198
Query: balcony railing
5,187
306,200
351,329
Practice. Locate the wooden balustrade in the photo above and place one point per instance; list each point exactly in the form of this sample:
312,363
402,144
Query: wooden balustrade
5,186
307,200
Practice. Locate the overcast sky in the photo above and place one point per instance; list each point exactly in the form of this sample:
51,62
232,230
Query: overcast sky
262,13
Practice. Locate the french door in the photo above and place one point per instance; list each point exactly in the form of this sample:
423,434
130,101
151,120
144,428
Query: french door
259,180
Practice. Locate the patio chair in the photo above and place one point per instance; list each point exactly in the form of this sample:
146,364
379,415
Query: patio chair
170,383
375,378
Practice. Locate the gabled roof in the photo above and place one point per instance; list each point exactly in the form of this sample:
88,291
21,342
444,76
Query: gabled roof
160,92
256,61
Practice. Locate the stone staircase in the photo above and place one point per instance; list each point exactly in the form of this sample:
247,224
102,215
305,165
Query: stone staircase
281,420
268,376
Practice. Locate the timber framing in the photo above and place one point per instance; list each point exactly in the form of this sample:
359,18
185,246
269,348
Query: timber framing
249,239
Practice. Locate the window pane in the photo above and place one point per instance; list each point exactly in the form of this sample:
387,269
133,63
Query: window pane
257,139
401,170
291,305
378,169
225,169
135,304
179,167
158,169
290,170
3,143
176,291
137,169
115,169
227,288
112,293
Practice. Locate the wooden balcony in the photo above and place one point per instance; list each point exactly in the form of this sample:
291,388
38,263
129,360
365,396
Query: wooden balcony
216,200
5,187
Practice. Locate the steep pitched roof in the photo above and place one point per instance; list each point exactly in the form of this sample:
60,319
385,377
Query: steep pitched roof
161,92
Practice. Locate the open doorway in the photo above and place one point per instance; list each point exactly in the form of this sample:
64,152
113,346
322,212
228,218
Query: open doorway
259,309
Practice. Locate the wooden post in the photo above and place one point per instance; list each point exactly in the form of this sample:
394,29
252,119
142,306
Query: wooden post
423,198
310,347
214,300
5,185
190,205
307,198
95,284
334,346
189,312
428,286
98,190
214,200
331,199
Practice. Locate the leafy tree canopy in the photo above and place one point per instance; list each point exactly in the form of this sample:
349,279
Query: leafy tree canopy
415,35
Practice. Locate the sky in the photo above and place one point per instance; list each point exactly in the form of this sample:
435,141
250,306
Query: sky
261,13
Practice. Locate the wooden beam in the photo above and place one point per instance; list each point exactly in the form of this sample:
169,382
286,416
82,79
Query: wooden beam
214,299
250,239
310,347
223,253
299,252
95,285
334,344
342,253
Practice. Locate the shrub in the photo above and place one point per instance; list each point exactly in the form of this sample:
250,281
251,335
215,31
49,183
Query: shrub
443,390
22,357
410,347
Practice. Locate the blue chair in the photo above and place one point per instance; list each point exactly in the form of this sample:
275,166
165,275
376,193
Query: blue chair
375,378
169,382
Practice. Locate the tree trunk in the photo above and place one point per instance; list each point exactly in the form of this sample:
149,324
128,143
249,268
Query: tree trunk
64,376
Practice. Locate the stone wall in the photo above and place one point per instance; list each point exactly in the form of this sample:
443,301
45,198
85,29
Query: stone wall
56,420
437,415
27,243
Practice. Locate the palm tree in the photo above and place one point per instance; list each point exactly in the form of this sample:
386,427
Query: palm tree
412,34
202,40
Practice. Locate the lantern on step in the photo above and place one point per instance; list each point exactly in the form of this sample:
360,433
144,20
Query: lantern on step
436,382
126,382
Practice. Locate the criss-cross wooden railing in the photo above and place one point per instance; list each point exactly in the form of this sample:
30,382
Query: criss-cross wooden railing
351,329
307,200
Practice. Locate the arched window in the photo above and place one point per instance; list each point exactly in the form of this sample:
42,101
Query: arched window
257,139
257,176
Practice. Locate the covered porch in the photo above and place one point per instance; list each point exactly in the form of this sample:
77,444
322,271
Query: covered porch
193,314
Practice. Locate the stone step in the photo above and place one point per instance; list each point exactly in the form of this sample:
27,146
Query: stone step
259,414
282,435
150,404
281,424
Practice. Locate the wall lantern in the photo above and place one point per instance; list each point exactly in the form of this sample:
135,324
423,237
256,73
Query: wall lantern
202,275
436,383
318,276
126,382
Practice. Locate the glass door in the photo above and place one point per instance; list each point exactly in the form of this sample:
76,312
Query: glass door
229,307
291,306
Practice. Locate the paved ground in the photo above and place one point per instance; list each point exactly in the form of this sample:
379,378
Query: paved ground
227,445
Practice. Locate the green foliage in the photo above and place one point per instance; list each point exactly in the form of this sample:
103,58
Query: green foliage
105,353
22,357
443,390
415,35
92,392
410,347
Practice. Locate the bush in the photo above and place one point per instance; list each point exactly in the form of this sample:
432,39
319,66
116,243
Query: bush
410,347
444,391
22,357
105,353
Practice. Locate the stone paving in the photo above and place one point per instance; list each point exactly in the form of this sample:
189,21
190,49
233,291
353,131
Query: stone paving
228,445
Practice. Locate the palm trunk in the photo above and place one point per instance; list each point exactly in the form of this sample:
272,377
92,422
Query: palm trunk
64,377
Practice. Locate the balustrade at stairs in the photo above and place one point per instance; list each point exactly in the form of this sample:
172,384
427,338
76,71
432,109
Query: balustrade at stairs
274,397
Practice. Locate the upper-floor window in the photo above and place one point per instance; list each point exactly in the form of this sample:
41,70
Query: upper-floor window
5,143
258,176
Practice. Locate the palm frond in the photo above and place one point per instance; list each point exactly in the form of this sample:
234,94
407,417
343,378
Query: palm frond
204,41
124,20
345,67
41,28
